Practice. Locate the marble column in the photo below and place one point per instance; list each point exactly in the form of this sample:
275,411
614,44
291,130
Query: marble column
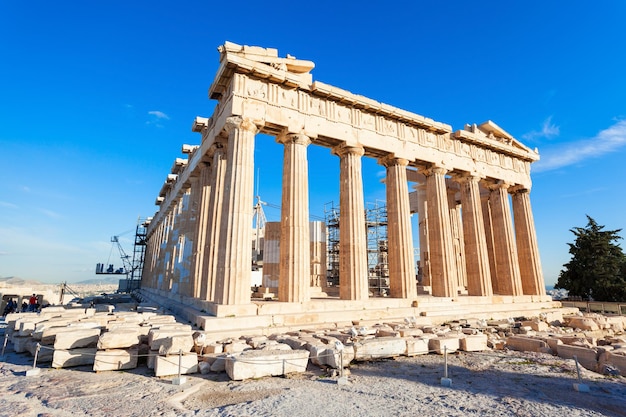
423,234
527,248
402,283
202,211
491,251
507,266
476,254
456,228
214,210
295,252
441,249
234,264
353,274
147,274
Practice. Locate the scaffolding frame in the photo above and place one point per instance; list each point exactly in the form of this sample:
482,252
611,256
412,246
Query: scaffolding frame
377,246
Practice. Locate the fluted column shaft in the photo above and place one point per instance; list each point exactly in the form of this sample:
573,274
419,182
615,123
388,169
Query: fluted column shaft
476,254
353,276
202,211
528,250
443,271
234,269
400,254
491,251
507,266
295,254
423,234
456,228
213,223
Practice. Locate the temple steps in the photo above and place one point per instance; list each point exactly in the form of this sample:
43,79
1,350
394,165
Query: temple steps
268,317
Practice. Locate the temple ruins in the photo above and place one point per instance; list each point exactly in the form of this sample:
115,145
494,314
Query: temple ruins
469,188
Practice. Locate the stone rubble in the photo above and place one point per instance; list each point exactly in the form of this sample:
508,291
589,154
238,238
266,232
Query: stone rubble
124,340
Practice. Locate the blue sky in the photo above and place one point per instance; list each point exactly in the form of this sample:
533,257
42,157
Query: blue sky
96,99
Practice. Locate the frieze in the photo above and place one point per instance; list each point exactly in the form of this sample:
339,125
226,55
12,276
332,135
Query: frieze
370,118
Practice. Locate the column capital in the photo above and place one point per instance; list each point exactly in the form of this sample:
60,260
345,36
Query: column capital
236,122
391,160
496,185
519,189
433,169
463,177
344,149
295,138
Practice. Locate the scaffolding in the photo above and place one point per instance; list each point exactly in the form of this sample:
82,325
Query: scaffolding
139,255
377,250
331,218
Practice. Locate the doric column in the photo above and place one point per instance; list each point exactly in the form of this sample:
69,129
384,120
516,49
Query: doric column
491,251
295,252
202,213
441,250
353,277
234,265
147,274
507,267
213,221
456,228
422,214
400,253
527,248
476,254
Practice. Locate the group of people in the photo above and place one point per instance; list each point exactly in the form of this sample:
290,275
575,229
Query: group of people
12,307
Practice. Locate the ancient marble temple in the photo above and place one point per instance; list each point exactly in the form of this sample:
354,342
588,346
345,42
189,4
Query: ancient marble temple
470,189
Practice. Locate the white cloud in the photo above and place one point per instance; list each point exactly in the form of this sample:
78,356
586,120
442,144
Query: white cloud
606,141
159,114
8,205
156,117
548,130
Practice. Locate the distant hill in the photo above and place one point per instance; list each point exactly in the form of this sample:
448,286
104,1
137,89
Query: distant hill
105,280
18,282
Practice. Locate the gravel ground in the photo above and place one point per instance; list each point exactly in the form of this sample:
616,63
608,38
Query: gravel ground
498,383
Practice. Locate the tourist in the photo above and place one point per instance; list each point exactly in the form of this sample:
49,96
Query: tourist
32,303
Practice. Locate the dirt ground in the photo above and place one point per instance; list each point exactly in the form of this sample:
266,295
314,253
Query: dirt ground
498,383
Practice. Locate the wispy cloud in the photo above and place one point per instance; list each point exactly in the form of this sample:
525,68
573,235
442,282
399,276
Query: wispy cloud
606,141
548,131
50,213
8,205
159,114
156,117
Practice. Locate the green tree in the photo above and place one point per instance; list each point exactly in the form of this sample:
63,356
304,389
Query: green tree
597,269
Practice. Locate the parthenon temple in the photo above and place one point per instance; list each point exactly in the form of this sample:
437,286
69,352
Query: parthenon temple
469,188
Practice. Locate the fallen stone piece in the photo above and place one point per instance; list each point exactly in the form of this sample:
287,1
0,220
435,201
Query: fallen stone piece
45,351
169,365
525,344
336,359
587,358
583,323
416,346
74,357
473,343
174,344
115,359
260,363
121,338
378,348
448,344
156,337
71,338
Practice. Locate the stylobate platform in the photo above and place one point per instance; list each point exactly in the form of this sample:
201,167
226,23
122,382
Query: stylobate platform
262,317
